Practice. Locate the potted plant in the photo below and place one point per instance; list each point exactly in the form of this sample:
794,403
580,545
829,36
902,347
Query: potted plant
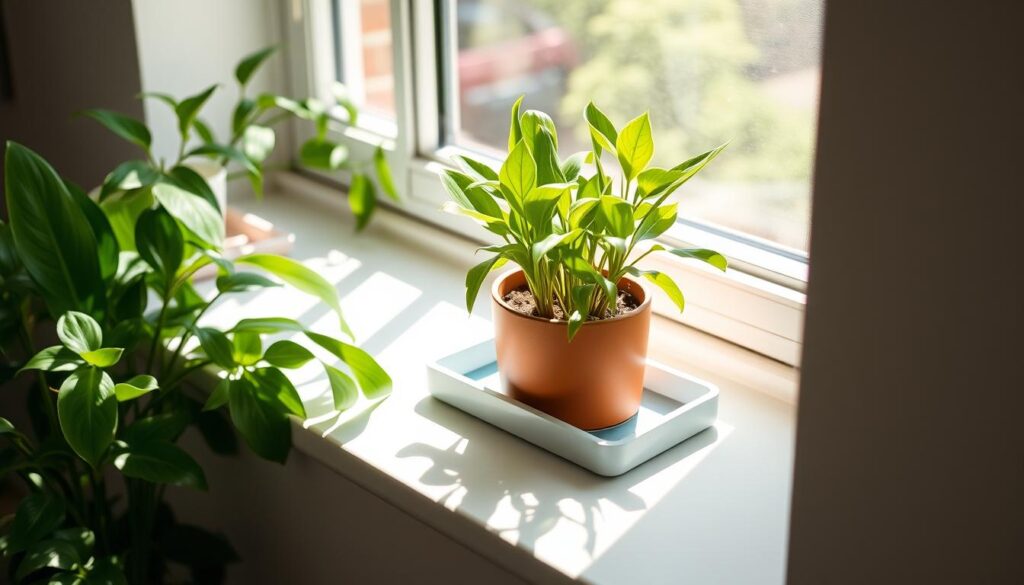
202,156
107,403
571,323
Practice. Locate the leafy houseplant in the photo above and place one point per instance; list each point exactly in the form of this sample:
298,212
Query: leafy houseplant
108,404
577,240
251,142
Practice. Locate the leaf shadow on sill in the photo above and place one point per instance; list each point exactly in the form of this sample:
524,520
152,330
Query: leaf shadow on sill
553,491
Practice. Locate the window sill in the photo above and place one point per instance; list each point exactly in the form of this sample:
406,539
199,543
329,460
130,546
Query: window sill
689,512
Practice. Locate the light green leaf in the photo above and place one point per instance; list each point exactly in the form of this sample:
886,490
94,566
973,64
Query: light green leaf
135,387
373,380
475,278
128,128
581,297
103,357
53,359
79,332
193,211
582,213
248,348
302,278
476,168
618,216
602,131
542,248
540,203
323,154
248,65
709,256
572,166
654,181
519,172
515,131
216,346
194,183
258,142
533,123
343,388
268,325
273,384
380,165
159,242
664,283
87,409
344,99
243,281
656,222
635,146
38,515
362,200
159,462
287,354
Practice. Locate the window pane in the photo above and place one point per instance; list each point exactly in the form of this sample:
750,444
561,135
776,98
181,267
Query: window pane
709,71
365,61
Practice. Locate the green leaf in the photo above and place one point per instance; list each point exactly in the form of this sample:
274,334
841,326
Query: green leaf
264,427
546,157
87,409
243,282
582,213
287,354
462,190
476,168
240,116
656,222
248,65
268,325
6,428
387,183
362,200
323,154
654,181
49,554
494,225
618,216
53,359
709,256
515,131
343,388
37,516
82,539
128,128
635,146
193,211
540,203
166,427
534,123
203,130
106,571
216,346
273,384
123,211
194,183
163,97
103,357
258,142
373,380
79,332
135,387
541,249
343,98
519,172
664,283
220,395
160,243
128,175
300,277
107,249
159,462
581,296
54,240
572,166
475,278
189,107
602,131
248,348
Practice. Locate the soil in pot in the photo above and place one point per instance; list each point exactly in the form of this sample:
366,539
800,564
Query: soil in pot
522,301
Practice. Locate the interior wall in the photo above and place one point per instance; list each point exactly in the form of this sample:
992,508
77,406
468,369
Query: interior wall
910,452
65,56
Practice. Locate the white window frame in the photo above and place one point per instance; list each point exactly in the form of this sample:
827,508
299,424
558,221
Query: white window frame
759,303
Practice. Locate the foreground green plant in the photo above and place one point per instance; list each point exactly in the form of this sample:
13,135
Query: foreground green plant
251,142
574,236
109,401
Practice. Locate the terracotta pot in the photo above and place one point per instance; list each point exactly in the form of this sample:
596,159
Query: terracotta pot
594,382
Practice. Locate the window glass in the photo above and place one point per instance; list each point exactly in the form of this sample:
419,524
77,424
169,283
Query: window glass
365,58
709,71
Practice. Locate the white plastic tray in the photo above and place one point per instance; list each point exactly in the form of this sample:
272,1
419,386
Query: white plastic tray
675,407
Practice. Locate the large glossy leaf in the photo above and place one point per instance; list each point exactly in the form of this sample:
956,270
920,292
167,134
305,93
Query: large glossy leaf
635,146
128,175
54,359
243,281
104,357
533,123
123,211
248,65
373,380
261,423
273,384
79,332
302,278
160,243
128,128
656,222
462,190
540,203
87,409
189,107
194,183
55,242
107,249
519,171
159,462
618,216
287,354
193,211
216,346
546,157
37,516
475,278
134,387
362,200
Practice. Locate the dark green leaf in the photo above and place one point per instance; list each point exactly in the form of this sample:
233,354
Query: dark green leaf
216,346
79,332
287,354
165,427
160,243
189,107
107,250
106,571
243,281
475,278
247,66
82,539
159,462
87,409
380,165
581,297
217,432
203,130
362,200
219,396
266,430
135,387
128,175
52,554
373,380
54,240
240,117
37,516
128,128
54,359
197,214
274,385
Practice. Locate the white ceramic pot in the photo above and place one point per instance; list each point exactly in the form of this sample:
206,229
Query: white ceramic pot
217,177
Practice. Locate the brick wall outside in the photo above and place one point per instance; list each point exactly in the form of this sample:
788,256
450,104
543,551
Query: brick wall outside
378,71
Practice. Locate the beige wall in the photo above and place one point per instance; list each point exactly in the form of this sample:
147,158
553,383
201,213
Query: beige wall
910,452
